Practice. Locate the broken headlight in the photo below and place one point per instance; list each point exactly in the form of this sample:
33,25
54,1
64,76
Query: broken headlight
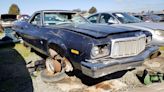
148,39
99,51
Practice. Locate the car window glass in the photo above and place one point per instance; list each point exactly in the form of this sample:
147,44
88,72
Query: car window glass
36,19
104,18
126,18
53,18
93,18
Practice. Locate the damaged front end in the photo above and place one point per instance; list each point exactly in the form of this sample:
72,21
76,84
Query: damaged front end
120,54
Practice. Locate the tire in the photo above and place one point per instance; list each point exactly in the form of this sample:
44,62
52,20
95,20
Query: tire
53,78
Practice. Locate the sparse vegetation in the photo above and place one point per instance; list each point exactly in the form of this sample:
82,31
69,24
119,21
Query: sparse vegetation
14,9
92,10
162,48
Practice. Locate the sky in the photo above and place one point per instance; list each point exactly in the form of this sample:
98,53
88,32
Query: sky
30,6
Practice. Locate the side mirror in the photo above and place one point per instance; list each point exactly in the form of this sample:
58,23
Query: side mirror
112,21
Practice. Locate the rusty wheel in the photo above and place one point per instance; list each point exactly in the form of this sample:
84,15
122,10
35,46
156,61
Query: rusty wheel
68,66
54,68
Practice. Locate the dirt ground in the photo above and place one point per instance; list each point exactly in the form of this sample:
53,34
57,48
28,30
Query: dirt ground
14,76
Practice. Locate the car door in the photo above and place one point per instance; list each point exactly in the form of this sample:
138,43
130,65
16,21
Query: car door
33,35
106,18
94,18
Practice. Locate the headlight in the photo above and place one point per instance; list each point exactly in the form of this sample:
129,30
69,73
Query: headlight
99,51
95,51
159,32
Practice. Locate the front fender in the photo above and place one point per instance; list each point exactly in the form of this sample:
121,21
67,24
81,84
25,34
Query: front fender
58,45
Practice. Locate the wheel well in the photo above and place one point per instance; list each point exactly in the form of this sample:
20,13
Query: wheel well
61,51
57,48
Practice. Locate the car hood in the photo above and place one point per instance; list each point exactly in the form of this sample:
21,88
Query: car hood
97,30
150,25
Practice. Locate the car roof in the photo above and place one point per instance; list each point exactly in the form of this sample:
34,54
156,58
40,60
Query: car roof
109,12
59,11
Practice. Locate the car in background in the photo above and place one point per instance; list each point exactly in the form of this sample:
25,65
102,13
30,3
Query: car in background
70,42
7,36
23,17
149,18
6,20
126,20
161,15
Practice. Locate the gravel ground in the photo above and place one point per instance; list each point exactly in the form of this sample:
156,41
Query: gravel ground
18,75
126,83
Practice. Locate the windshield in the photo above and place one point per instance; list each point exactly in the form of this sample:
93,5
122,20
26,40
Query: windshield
63,18
125,18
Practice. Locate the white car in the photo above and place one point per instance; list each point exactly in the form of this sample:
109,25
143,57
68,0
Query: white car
124,19
7,20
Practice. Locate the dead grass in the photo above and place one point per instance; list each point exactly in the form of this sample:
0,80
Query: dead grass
162,48
25,52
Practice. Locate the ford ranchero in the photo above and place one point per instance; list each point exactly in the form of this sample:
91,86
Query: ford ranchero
70,42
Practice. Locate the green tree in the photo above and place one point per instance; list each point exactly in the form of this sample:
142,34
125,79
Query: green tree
92,10
14,9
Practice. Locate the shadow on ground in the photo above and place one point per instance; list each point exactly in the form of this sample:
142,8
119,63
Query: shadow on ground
90,81
14,76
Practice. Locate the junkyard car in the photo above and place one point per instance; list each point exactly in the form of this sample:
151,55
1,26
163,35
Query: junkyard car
7,36
70,42
124,19
23,17
149,17
7,20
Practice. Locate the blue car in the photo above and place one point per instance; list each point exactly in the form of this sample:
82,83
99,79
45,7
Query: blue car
71,42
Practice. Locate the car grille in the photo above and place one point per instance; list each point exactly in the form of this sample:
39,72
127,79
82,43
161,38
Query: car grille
125,47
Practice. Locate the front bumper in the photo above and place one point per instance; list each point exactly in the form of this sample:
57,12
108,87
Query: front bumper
107,65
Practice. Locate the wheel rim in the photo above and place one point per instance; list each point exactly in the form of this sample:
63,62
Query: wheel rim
52,53
68,66
53,66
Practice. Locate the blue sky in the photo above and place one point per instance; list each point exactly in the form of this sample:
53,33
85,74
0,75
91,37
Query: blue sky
30,6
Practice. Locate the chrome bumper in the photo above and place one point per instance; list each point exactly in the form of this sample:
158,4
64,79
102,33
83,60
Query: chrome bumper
107,65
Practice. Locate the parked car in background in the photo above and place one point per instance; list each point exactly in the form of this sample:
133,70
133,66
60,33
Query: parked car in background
7,36
161,15
23,17
6,20
124,19
149,18
70,42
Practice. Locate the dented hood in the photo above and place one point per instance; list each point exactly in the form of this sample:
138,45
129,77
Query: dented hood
97,30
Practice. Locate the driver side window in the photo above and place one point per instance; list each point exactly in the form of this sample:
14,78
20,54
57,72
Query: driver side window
106,18
94,18
36,19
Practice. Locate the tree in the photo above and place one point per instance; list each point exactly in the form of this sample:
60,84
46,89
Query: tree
92,10
14,9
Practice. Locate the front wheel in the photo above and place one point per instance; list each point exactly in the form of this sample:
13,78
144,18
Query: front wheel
55,67
50,78
53,72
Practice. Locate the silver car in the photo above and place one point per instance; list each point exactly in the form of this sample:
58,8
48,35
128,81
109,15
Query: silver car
124,19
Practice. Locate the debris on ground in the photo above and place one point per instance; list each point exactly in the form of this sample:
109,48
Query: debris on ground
127,83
